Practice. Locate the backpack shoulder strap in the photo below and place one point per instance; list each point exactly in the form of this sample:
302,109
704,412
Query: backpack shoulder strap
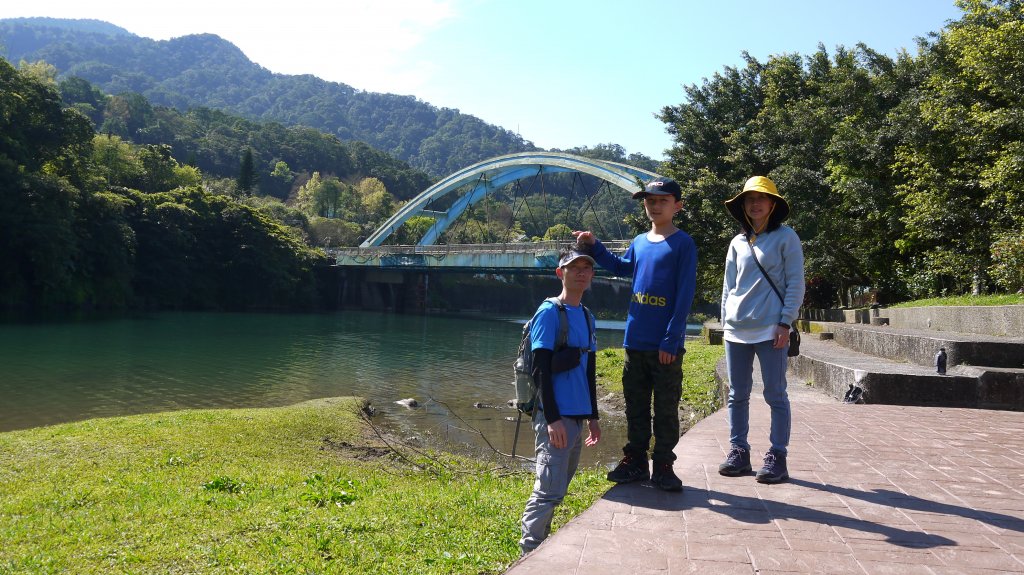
591,324
563,323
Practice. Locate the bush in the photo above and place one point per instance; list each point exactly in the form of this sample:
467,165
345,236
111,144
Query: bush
1007,269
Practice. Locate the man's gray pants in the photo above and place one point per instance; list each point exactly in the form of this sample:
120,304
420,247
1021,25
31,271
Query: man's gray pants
555,469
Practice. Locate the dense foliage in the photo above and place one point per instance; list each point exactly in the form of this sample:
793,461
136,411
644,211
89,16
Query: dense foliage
73,234
903,173
273,158
206,71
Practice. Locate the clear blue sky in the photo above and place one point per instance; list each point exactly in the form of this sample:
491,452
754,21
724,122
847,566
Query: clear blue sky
563,73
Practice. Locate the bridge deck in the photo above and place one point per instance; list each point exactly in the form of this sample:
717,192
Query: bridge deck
525,257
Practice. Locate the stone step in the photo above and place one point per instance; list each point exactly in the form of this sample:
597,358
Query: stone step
833,368
920,346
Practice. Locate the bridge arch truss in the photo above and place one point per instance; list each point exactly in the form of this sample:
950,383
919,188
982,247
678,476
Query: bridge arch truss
493,174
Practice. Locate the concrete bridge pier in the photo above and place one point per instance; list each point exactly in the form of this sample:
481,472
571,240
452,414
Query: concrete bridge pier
402,291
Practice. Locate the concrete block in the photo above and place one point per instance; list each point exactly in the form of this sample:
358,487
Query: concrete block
711,333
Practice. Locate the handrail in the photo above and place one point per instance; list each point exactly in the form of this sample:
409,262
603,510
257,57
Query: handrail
547,245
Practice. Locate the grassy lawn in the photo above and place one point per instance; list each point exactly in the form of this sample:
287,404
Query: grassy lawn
299,489
999,299
296,489
700,392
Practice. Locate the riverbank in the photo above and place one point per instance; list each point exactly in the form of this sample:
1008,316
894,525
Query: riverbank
305,488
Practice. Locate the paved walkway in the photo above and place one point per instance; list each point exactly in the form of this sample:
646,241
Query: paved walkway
874,489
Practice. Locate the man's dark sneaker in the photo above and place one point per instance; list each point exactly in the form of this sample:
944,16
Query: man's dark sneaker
774,469
630,469
664,478
736,463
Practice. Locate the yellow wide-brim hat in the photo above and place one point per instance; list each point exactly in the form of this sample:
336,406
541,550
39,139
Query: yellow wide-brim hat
765,186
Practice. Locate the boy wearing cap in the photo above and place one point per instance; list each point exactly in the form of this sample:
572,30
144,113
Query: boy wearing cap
663,265
568,399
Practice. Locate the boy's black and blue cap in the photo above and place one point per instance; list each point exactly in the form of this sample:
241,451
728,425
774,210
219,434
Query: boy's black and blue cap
573,256
660,187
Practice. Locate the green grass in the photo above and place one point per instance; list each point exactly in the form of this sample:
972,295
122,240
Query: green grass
700,391
282,490
998,299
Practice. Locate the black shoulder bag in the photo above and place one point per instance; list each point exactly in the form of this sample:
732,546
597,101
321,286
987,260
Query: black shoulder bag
794,335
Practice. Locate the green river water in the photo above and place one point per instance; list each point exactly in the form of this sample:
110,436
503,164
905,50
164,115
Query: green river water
54,372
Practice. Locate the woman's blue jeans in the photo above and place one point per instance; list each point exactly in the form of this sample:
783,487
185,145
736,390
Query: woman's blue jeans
739,359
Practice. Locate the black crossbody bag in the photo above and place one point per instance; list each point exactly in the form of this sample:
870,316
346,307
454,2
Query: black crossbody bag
794,335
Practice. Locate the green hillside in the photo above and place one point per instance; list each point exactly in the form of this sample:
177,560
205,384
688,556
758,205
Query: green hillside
206,71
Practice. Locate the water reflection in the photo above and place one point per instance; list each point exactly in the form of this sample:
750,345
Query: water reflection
59,372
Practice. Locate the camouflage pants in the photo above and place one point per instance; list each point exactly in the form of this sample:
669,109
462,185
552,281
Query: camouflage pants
644,379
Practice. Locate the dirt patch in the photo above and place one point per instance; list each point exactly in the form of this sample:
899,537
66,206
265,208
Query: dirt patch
357,452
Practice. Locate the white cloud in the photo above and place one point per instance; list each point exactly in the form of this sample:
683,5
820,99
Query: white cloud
369,45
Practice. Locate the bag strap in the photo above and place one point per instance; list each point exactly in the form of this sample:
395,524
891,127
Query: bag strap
766,276
563,323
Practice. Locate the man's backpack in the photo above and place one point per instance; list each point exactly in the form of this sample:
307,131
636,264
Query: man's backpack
527,389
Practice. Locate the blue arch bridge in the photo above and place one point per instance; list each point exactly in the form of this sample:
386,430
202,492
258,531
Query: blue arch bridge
405,269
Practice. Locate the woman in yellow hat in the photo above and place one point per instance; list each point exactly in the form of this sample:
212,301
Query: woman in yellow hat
761,297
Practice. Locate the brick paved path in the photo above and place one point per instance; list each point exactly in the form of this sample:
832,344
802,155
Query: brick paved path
874,489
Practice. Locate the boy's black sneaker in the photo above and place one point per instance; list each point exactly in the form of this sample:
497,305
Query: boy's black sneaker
630,469
774,470
736,463
664,478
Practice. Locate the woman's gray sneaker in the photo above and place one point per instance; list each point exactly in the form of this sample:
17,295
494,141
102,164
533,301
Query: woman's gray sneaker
736,463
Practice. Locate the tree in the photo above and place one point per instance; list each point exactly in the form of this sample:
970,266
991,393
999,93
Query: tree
84,97
378,203
559,232
332,232
281,178
40,71
961,161
247,173
42,151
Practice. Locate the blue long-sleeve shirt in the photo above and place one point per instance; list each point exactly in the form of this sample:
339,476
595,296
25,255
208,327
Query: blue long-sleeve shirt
664,280
748,301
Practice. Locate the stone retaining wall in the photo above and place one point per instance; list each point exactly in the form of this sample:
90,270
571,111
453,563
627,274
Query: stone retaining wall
1002,320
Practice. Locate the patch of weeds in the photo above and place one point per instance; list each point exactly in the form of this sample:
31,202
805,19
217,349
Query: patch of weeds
224,485
322,493
78,501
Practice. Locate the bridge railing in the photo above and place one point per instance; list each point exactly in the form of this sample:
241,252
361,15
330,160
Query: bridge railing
616,246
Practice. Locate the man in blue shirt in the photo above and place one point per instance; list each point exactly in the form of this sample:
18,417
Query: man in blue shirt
663,264
568,397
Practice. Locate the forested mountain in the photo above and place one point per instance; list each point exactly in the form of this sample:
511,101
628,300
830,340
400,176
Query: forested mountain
206,71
